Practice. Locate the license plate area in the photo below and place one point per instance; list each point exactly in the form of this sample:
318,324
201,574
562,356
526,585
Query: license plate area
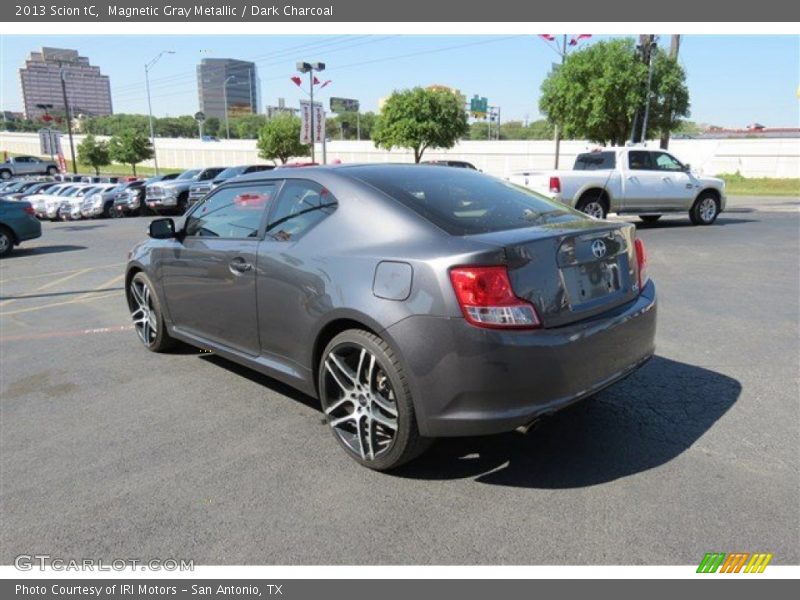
591,283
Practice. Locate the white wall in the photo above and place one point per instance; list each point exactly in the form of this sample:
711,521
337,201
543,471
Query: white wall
774,157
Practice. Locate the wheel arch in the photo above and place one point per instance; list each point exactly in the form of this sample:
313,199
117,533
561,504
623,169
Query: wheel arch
10,230
592,190
708,190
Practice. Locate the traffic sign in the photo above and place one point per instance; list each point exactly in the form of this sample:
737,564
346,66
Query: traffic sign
199,116
340,105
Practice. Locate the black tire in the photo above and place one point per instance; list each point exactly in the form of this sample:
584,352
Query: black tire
161,340
705,209
649,218
108,210
406,443
4,175
52,171
6,241
594,204
183,204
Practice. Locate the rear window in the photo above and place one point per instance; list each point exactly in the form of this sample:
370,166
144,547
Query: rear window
591,161
462,201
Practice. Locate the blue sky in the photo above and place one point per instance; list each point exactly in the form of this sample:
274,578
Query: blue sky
733,79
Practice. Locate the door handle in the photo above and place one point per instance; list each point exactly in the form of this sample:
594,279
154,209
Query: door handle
240,265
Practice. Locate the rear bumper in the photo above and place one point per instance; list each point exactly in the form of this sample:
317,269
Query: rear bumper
471,381
28,228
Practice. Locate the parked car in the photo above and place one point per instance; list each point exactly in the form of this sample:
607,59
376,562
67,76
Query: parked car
99,201
38,199
173,195
631,180
199,189
71,205
13,192
26,165
475,306
461,164
130,201
54,203
17,224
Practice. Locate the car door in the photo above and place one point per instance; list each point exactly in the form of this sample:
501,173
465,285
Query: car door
293,287
208,276
643,186
679,183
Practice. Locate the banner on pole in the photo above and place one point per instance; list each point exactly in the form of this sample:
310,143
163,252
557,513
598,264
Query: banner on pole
305,122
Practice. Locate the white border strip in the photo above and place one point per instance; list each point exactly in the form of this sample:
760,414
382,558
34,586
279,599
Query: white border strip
411,572
379,28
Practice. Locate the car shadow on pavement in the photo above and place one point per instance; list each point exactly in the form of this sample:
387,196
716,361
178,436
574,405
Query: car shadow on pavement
37,250
674,223
638,424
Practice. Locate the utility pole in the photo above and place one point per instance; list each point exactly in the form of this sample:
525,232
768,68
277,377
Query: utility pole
674,47
646,44
563,53
225,105
309,68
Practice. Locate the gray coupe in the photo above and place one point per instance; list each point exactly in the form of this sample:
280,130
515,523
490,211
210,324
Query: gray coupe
414,302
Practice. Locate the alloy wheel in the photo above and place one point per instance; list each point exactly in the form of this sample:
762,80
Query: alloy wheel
708,209
5,243
594,209
360,402
143,312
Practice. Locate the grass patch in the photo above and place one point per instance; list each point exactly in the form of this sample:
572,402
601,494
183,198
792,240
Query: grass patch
737,184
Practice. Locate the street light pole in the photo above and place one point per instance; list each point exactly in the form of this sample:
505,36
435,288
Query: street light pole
557,129
69,119
309,68
147,68
225,104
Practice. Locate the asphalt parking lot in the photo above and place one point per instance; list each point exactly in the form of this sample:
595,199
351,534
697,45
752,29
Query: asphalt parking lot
109,451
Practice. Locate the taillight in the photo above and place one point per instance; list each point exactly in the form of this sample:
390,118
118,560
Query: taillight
555,185
487,300
29,210
641,262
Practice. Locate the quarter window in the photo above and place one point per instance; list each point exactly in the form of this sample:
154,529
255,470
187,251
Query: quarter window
301,205
232,212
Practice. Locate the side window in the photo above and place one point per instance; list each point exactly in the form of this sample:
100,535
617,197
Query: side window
22,159
638,160
301,205
231,212
666,162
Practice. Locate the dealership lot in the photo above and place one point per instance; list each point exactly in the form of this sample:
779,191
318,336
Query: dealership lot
109,451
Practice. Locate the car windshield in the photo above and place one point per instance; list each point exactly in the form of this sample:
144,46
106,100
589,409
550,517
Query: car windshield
190,174
229,172
462,201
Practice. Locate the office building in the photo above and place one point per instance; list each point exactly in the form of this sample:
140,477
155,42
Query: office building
88,90
226,80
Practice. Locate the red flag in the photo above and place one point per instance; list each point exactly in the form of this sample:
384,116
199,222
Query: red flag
582,36
326,83
297,80
548,36
316,81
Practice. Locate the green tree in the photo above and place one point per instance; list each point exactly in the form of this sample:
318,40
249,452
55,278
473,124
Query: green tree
420,119
595,93
93,153
212,126
279,139
130,148
247,127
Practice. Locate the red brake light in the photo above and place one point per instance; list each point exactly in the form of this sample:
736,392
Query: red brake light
487,299
29,210
641,262
555,185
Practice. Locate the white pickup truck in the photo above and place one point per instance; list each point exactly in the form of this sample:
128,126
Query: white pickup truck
631,180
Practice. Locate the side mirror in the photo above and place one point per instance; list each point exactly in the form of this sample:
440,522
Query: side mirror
162,229
687,167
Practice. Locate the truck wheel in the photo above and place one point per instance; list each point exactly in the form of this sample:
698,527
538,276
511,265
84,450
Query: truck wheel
108,210
705,209
5,174
649,218
183,204
51,171
6,241
593,205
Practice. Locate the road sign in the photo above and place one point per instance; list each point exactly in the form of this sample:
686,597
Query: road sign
305,122
479,106
49,141
340,105
199,116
